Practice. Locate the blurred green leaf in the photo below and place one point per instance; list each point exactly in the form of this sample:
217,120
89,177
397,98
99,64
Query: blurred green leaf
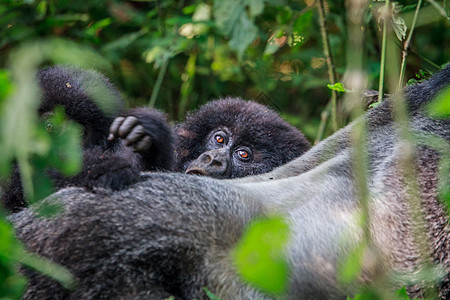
440,106
210,294
402,294
260,257
337,87
11,283
231,17
256,7
350,267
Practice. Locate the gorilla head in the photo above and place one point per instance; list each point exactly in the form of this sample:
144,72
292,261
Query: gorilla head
231,138
87,97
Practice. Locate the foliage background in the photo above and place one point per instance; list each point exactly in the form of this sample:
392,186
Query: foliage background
269,51
178,54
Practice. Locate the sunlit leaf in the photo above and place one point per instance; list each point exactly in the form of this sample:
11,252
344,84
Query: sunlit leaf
351,267
440,106
260,257
339,87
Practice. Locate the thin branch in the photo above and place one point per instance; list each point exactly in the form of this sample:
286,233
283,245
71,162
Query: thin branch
406,45
155,92
386,16
330,62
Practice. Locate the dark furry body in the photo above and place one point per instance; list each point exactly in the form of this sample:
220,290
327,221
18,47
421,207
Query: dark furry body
172,234
91,100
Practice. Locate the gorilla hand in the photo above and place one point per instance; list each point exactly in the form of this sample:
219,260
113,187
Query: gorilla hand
131,130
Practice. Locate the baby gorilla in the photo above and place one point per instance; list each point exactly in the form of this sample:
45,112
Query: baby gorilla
93,102
225,138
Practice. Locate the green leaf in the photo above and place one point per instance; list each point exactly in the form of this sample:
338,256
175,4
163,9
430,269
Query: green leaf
124,41
351,267
243,35
12,284
259,256
337,87
373,105
399,26
256,7
271,48
5,84
210,294
231,18
402,294
440,106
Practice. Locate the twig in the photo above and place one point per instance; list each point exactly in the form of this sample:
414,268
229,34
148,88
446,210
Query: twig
158,83
330,63
386,16
406,45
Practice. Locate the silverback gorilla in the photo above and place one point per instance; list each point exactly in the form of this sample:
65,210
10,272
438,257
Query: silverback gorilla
173,234
225,138
91,100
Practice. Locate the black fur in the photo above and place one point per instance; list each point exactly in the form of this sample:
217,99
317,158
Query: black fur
267,140
273,141
173,234
90,99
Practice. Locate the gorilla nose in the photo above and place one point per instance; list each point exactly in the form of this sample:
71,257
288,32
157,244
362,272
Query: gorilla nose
212,163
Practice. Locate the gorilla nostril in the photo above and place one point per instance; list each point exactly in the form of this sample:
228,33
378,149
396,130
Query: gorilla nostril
216,163
206,158
196,171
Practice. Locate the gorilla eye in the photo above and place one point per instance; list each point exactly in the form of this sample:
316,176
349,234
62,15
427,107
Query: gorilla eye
49,127
219,138
244,154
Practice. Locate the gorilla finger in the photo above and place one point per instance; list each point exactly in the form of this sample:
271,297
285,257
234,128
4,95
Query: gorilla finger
143,144
136,134
127,125
114,127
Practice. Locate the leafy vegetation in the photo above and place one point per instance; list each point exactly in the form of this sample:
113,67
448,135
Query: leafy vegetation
176,55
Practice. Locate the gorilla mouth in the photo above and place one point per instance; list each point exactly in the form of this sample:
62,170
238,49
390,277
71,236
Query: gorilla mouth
196,171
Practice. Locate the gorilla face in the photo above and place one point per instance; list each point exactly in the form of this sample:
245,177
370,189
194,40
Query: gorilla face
231,138
223,156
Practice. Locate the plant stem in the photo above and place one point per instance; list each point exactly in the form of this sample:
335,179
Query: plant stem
406,45
158,83
383,52
330,63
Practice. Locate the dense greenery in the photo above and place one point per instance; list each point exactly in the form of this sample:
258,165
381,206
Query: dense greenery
176,55
270,51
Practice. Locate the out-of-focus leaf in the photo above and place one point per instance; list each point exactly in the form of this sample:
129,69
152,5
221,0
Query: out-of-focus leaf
402,294
256,7
46,267
210,294
351,266
11,283
243,35
202,13
124,41
271,48
260,257
231,17
440,106
339,87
